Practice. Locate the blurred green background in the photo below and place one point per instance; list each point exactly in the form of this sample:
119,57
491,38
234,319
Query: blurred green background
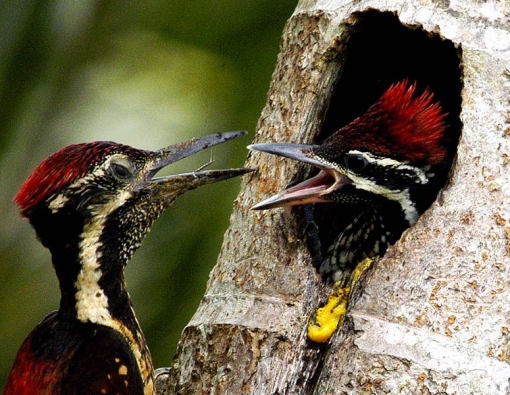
148,74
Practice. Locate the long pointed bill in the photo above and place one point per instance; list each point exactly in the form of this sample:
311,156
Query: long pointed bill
313,190
175,153
179,183
300,152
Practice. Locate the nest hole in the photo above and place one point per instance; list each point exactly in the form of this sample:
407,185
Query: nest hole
378,51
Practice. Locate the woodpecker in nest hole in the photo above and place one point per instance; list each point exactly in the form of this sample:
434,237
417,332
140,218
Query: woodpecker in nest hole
385,169
91,205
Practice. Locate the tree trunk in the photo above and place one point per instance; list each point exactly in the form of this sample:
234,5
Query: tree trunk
432,316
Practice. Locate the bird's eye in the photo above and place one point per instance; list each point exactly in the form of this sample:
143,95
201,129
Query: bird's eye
122,171
355,162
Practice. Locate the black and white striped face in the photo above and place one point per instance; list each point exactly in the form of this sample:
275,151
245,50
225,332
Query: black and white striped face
376,173
105,187
373,174
352,177
79,209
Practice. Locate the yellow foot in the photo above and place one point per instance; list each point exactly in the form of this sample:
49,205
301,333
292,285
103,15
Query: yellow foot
325,320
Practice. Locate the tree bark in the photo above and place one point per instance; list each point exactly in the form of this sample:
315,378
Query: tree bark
432,316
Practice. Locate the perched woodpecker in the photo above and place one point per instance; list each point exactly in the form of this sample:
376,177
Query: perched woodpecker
91,205
385,169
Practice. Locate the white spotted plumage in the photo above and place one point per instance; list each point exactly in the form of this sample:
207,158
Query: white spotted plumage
91,301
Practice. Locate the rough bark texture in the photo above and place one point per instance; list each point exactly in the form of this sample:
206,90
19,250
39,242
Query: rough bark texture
432,317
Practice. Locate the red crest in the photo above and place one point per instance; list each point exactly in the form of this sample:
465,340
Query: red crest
401,125
59,170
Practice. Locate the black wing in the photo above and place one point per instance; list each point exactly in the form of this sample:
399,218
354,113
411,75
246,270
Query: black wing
103,365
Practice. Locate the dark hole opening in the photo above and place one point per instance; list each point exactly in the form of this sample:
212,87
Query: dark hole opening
381,51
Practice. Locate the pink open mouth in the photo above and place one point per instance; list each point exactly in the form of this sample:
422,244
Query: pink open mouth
312,190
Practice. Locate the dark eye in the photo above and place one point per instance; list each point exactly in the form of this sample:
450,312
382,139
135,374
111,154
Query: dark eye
120,170
355,162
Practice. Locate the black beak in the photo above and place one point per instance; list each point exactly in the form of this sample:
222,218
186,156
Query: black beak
173,185
300,152
313,190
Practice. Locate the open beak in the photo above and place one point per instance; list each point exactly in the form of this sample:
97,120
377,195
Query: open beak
313,190
173,185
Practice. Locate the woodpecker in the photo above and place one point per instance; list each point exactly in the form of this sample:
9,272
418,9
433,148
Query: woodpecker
91,205
384,169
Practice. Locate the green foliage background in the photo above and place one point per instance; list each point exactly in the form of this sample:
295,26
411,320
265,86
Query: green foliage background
148,74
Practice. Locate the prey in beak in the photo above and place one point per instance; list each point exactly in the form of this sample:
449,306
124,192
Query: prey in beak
167,188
